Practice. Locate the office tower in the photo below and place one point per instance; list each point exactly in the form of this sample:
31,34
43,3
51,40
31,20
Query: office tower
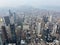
56,42
50,18
12,20
50,43
45,19
8,31
54,29
10,13
28,36
18,29
25,27
1,37
1,21
49,25
12,28
38,28
11,17
47,36
5,37
16,17
58,28
7,20
1,42
23,18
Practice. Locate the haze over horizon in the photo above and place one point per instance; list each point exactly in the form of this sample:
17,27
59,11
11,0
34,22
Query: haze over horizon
28,4
33,3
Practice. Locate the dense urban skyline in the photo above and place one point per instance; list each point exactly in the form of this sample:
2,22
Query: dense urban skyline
29,22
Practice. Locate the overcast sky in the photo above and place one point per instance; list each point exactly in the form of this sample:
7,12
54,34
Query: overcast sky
34,3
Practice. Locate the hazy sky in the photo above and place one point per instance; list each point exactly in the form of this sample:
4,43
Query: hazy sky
34,3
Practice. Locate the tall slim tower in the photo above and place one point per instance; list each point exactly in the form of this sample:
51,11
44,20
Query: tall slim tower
10,13
1,42
12,27
5,37
11,16
7,20
38,28
15,17
54,29
50,18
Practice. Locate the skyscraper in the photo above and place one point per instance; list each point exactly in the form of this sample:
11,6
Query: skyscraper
10,13
12,28
5,37
7,20
1,42
15,17
50,18
38,28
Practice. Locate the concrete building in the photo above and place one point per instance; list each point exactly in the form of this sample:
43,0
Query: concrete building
38,28
6,20
8,31
54,29
1,21
25,27
11,20
50,18
1,41
56,42
50,43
